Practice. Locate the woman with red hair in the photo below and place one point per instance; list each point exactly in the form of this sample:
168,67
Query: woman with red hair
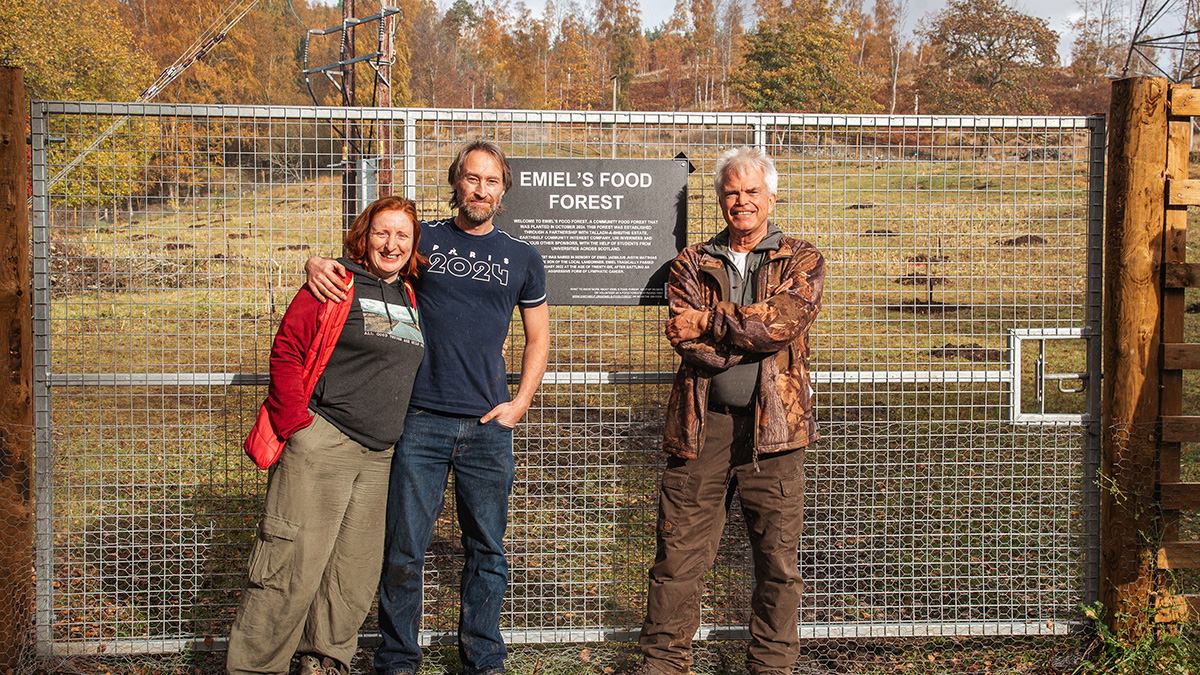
315,563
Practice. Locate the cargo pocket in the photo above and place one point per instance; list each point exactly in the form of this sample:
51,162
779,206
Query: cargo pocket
791,512
674,498
271,558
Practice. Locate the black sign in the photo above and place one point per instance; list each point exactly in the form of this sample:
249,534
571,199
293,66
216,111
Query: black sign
607,229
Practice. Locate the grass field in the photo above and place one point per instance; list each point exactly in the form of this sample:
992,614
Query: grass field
926,505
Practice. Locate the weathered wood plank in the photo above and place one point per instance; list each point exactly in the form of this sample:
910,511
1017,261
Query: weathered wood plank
1177,609
1183,192
1174,249
1180,428
1185,101
1181,275
1181,496
1181,356
1170,473
1179,555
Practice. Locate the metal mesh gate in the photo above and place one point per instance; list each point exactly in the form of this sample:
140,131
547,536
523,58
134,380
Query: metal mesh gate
955,361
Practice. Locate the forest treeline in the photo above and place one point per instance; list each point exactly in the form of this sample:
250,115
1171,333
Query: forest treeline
843,56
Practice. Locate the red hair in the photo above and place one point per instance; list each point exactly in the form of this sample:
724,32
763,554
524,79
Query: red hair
355,242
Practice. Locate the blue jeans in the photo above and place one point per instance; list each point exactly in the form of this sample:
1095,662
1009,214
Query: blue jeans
482,460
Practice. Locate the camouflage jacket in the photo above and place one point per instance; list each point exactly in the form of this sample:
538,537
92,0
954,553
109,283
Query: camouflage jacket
777,324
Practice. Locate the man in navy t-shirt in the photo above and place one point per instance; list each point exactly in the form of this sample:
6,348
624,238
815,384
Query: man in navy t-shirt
460,416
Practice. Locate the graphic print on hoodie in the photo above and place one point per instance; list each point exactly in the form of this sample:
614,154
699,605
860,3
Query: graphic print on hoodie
391,320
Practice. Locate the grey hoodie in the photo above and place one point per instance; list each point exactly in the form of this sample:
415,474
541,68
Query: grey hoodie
365,388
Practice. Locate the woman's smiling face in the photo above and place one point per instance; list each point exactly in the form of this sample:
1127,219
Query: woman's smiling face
389,244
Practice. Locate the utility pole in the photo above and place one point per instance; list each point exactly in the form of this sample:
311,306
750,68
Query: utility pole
350,140
359,175
386,31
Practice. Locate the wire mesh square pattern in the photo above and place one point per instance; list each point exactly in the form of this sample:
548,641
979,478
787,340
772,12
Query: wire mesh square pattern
168,240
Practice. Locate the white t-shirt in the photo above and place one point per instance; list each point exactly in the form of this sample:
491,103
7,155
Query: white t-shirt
739,261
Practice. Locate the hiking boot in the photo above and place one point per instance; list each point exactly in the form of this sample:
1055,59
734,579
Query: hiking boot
311,664
648,668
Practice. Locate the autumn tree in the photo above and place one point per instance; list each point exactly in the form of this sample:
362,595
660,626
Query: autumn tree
461,19
79,50
987,58
619,27
1097,54
528,63
770,11
858,25
72,49
882,53
576,69
702,36
894,49
400,67
667,52
801,64
489,37
1101,42
731,43
255,60
431,62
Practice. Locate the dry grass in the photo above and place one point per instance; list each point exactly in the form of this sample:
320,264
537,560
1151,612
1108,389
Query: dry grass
201,287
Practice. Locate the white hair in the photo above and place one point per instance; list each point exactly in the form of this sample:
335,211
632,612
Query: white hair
740,159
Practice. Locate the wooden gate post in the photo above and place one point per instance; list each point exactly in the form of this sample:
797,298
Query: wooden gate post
1133,243
16,387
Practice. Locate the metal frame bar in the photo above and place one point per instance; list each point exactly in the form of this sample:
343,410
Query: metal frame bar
764,130
750,120
1093,319
43,451
1015,340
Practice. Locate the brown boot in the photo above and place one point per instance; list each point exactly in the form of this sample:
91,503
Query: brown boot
648,668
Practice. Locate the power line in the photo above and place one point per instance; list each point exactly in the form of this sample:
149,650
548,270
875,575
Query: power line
1183,45
209,38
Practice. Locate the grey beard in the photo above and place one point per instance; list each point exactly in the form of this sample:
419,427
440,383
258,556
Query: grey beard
479,215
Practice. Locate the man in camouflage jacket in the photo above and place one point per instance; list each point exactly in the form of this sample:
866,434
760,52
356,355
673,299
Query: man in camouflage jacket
739,416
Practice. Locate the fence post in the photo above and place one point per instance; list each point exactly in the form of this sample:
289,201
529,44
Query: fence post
16,389
1133,240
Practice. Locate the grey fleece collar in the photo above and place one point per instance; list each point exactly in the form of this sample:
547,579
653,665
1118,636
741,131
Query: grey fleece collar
718,246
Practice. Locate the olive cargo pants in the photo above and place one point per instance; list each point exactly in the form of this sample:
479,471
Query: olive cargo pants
316,560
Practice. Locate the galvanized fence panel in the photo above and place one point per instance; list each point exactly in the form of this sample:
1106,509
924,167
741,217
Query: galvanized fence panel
955,360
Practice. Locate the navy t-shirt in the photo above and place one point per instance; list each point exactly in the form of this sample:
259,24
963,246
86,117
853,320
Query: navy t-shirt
467,297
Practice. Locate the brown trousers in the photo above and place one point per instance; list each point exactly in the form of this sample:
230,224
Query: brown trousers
693,502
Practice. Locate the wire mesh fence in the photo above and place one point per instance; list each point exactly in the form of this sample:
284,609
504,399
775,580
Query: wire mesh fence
955,360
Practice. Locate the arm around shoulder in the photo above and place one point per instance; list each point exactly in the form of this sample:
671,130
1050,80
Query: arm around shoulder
324,278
